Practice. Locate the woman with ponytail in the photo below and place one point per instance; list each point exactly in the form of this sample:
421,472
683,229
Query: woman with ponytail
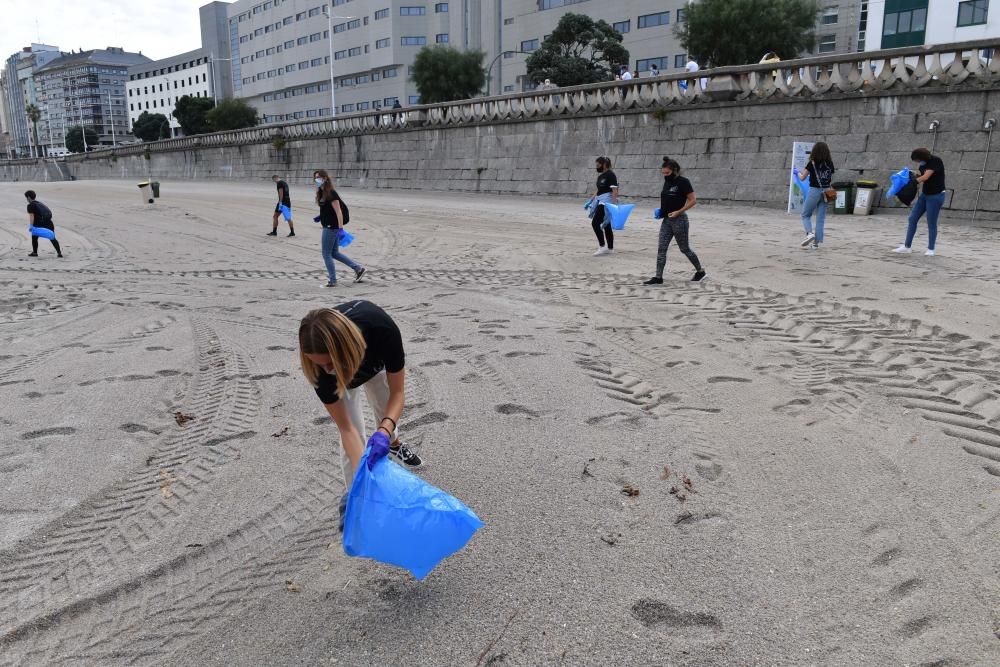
346,349
606,193
331,216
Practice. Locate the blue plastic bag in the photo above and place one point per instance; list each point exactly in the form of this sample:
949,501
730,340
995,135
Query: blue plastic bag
587,204
286,212
344,238
42,232
657,213
618,213
803,183
395,517
899,181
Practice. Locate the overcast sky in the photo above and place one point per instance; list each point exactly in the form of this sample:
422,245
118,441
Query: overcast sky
159,29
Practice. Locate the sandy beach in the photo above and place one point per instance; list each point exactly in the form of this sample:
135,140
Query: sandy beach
796,462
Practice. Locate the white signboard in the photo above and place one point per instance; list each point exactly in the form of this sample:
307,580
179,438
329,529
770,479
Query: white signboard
800,157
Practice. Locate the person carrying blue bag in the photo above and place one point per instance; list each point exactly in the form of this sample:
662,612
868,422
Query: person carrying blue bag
333,216
606,193
40,224
930,201
283,208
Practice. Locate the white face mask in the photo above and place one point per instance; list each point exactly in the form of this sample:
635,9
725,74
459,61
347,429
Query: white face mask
319,182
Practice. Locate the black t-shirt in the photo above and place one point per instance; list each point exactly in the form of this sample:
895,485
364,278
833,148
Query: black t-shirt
821,174
384,349
935,184
674,194
327,214
606,181
286,198
43,216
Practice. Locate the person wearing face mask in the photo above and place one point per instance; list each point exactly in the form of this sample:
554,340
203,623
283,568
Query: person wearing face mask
331,216
676,199
607,192
39,215
930,201
343,350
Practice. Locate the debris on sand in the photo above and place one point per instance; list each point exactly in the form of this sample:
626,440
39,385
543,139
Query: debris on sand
280,433
182,418
630,491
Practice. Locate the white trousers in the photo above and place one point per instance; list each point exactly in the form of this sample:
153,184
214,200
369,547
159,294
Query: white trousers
377,392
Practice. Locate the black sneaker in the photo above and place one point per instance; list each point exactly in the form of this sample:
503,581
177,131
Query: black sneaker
32,254
291,233
699,275
272,234
359,274
331,284
342,508
654,281
405,454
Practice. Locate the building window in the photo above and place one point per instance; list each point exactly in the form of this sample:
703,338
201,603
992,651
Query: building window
389,101
300,16
623,26
347,108
682,15
414,99
508,89
552,4
363,106
361,78
287,20
356,23
315,11
312,113
831,15
389,73
441,8
680,61
355,51
302,40
653,20
905,27
529,45
315,37
441,38
339,28
661,63
315,62
382,43
304,64
290,44
340,55
508,21
972,12
382,14
412,11
827,43
413,41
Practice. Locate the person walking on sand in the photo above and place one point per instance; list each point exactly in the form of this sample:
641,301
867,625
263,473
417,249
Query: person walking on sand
39,215
820,171
346,349
284,199
930,201
676,199
607,192
331,216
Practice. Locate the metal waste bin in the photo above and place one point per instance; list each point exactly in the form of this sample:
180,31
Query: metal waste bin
844,204
155,185
144,192
866,197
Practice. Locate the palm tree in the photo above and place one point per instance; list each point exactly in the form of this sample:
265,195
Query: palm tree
34,115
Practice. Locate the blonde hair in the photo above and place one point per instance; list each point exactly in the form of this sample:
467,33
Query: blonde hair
328,331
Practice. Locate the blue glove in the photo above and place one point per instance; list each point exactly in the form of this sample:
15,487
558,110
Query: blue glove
317,219
378,448
587,204
657,214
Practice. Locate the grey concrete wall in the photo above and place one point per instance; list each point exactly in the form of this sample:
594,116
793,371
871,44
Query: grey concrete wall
738,153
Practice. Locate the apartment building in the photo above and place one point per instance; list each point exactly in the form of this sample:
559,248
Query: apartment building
155,87
897,23
17,93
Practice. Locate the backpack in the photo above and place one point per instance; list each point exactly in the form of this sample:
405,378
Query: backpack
43,212
346,211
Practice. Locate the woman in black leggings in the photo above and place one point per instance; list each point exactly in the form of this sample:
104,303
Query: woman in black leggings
607,192
39,216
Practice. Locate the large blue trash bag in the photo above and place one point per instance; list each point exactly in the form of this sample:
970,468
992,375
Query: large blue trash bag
395,517
42,232
899,181
344,238
618,213
802,183
286,212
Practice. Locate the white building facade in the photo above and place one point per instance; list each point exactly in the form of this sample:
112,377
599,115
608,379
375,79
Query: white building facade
898,23
155,87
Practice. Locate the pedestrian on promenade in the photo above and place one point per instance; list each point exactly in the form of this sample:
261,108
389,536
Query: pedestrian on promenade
332,217
284,199
676,199
820,171
607,192
39,215
930,201
346,349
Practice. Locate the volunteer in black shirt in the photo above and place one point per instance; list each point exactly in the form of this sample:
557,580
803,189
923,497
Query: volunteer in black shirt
284,199
607,191
676,198
930,201
331,216
348,348
820,171
39,215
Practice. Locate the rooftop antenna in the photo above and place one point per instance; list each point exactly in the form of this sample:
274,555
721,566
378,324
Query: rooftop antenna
38,31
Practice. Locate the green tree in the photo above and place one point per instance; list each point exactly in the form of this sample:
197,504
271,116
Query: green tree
231,114
580,50
738,32
74,139
151,126
444,74
192,114
34,115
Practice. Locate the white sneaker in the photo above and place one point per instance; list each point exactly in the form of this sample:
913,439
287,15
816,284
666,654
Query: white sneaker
808,239
603,250
903,250
929,253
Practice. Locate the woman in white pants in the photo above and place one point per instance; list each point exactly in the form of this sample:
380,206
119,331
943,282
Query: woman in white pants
343,350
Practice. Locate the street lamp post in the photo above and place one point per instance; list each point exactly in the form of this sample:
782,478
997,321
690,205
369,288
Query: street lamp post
111,116
333,86
489,70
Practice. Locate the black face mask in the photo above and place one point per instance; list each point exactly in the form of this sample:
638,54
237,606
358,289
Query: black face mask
600,170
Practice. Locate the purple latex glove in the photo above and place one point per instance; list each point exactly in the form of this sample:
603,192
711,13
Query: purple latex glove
317,218
378,448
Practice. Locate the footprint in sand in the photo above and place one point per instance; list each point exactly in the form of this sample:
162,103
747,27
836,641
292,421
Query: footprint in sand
59,430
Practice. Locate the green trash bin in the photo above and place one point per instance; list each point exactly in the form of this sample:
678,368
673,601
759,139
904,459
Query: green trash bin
156,189
844,204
